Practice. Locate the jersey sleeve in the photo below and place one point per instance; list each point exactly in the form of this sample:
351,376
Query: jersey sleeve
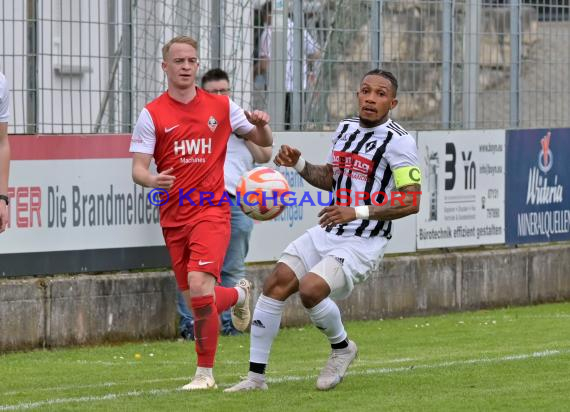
239,123
4,100
402,156
143,139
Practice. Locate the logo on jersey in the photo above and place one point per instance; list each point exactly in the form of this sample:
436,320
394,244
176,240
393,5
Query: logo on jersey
212,123
358,167
370,146
193,147
169,129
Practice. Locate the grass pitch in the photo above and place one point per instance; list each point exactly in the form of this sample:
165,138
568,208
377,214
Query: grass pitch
511,359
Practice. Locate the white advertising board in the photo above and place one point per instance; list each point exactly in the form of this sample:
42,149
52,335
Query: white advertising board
59,205
463,189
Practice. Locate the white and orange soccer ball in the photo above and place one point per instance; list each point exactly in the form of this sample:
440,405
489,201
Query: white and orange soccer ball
261,193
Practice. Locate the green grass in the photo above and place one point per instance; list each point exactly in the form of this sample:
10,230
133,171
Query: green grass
511,359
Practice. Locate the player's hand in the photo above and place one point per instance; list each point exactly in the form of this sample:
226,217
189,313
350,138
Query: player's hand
164,180
287,156
257,118
333,215
3,216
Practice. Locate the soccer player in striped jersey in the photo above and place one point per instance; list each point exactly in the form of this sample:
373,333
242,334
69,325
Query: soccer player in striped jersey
373,171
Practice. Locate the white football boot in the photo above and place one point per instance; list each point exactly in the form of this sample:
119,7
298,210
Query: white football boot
241,313
337,364
200,382
250,383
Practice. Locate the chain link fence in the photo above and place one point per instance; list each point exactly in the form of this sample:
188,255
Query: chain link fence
83,66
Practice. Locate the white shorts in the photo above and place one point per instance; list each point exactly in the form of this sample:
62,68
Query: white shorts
357,255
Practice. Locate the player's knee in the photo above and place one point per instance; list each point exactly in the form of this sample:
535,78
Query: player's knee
312,290
281,284
198,284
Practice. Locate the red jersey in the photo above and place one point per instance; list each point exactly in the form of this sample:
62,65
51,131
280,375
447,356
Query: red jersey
191,138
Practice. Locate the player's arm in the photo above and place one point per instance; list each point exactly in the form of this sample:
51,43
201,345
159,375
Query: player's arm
260,154
143,142
320,176
404,202
143,176
261,133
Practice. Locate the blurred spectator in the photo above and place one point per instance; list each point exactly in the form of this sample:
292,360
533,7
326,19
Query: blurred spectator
310,49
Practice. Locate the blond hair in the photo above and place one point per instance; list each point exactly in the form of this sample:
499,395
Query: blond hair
178,39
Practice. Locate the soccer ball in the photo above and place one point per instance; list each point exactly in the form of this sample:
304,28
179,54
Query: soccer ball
260,193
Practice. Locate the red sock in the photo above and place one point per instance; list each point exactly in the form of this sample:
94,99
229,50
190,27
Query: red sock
206,325
225,298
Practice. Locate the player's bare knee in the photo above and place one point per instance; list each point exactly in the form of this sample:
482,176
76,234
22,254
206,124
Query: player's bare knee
199,284
281,284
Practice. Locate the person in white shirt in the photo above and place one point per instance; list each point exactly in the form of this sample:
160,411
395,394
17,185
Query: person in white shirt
372,160
241,157
4,152
310,49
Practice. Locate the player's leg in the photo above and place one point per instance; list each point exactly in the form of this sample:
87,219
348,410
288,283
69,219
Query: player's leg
206,325
281,284
314,288
186,323
207,242
175,239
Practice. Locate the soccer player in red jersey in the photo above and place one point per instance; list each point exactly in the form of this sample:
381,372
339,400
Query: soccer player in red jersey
186,130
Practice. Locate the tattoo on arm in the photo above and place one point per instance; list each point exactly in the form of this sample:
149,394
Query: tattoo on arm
407,203
319,176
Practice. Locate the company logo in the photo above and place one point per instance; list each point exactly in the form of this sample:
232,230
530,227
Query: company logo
545,157
193,146
339,260
202,263
258,323
370,146
469,167
212,123
169,129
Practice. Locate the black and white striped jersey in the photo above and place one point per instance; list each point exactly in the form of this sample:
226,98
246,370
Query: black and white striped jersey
363,161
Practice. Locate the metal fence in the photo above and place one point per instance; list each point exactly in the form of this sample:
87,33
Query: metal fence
83,66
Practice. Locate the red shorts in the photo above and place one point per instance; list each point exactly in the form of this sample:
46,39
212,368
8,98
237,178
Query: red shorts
199,247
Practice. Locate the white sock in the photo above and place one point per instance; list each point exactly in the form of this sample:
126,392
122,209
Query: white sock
204,371
264,328
241,295
326,317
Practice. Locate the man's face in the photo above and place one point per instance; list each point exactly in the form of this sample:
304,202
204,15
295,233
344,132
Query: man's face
218,87
181,65
375,99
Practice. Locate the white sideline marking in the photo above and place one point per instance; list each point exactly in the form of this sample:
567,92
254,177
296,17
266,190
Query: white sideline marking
363,360
291,378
